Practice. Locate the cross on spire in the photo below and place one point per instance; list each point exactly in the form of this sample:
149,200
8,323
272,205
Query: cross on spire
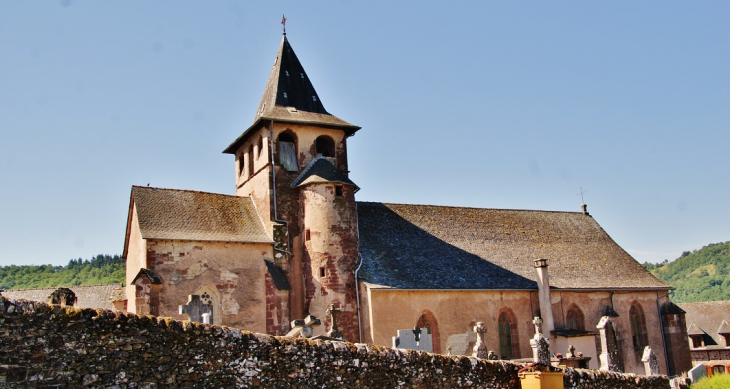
283,23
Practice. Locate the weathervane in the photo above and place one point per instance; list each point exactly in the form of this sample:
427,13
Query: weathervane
581,195
283,23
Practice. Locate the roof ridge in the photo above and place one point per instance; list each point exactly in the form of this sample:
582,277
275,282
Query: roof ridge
66,286
189,191
470,207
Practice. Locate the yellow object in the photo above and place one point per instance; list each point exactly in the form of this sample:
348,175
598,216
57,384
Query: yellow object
541,380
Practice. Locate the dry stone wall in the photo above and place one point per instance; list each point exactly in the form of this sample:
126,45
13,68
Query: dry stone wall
51,346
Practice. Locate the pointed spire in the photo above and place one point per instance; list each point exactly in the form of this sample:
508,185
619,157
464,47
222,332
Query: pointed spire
290,97
288,85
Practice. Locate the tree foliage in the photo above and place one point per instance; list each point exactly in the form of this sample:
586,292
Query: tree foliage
700,275
717,381
101,269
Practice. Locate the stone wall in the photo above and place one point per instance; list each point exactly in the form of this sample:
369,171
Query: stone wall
46,346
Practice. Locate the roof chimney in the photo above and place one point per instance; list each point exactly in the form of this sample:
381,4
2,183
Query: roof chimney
543,293
584,208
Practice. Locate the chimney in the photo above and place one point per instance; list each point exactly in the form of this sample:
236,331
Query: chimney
543,293
584,207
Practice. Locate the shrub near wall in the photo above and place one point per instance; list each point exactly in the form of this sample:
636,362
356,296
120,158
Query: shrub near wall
43,345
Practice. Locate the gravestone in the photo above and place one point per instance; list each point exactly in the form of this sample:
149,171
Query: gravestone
334,332
571,352
415,339
492,356
461,343
697,372
651,364
480,348
610,358
195,308
304,328
540,345
64,297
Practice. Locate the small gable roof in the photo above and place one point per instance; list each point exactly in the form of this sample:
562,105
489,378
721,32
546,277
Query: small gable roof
320,171
708,317
172,214
435,247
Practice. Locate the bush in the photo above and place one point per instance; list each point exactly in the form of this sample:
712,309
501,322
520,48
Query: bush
717,381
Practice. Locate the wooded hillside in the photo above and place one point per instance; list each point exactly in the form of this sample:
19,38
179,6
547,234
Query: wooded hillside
101,269
700,275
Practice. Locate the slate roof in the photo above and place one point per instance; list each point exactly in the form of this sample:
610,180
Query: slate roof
320,170
89,296
197,216
707,318
277,275
289,96
435,247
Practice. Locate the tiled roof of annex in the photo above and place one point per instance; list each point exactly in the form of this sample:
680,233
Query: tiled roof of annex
438,247
707,317
88,296
174,214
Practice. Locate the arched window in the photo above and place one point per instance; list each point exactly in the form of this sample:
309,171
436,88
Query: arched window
509,344
260,146
325,146
250,161
287,150
575,319
242,164
428,320
638,327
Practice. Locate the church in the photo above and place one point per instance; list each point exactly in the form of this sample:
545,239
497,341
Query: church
293,242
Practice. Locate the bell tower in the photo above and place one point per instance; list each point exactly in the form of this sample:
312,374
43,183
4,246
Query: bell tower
293,163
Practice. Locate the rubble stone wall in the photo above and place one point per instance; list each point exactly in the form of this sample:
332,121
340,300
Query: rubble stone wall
48,346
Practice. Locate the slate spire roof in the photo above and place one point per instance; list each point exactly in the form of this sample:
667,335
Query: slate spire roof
289,96
288,85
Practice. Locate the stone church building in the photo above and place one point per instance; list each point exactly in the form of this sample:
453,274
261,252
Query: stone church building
293,240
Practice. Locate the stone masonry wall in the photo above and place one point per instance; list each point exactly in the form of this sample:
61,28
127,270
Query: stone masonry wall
50,346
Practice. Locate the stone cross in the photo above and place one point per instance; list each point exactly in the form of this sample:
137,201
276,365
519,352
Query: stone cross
651,364
304,328
537,321
480,348
195,308
334,331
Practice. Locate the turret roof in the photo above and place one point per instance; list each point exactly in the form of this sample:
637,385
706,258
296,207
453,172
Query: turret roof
320,171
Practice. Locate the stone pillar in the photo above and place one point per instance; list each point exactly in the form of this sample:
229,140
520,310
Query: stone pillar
543,286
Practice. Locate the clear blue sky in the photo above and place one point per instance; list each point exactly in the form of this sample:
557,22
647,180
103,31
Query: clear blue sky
498,104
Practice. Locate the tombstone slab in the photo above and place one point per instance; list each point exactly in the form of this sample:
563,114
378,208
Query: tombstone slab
415,339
